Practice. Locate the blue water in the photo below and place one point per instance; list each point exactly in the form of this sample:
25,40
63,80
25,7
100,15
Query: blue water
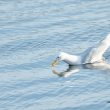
32,33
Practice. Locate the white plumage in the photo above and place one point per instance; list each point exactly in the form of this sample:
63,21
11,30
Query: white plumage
91,55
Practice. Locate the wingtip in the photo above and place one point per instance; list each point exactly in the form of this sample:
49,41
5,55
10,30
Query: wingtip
108,36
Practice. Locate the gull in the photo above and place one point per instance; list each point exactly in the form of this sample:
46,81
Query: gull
91,55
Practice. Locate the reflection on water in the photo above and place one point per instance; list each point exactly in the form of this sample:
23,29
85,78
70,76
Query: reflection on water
74,69
31,32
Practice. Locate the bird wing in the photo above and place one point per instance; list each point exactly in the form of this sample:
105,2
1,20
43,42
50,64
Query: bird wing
96,52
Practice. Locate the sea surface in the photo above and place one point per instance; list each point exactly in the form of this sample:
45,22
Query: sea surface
32,33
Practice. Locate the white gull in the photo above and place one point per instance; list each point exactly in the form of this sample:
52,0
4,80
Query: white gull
91,55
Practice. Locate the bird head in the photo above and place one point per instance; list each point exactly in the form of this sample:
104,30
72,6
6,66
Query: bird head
60,57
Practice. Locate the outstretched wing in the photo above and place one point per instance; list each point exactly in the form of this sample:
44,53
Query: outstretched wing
96,53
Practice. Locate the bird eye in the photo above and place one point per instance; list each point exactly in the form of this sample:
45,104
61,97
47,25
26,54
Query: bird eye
58,57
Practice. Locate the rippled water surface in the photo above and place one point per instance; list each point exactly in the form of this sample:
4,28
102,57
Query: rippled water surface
32,33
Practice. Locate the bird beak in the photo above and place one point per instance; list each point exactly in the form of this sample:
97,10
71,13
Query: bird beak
55,62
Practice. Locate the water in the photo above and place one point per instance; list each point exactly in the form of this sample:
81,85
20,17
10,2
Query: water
32,33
